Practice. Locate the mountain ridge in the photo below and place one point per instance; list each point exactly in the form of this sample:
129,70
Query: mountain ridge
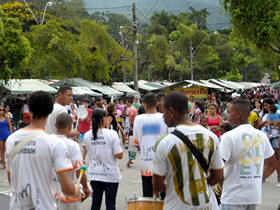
217,18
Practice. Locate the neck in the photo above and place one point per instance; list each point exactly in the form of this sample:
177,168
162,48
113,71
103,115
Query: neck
62,132
101,127
184,120
151,110
243,122
38,123
59,101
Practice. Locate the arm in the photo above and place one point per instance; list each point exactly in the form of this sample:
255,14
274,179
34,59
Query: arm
86,190
270,164
119,155
261,124
10,125
256,123
9,176
122,132
216,176
158,184
109,121
67,187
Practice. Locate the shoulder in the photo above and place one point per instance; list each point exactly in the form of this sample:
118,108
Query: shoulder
59,107
162,141
88,134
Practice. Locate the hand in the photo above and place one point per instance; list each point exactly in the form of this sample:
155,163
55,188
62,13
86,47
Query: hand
77,190
87,192
157,194
74,132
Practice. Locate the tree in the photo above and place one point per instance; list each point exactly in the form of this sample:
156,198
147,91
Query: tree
56,52
257,22
199,17
14,47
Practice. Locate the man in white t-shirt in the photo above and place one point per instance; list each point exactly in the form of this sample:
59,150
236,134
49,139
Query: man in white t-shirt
147,129
248,158
175,168
30,171
192,103
64,126
64,97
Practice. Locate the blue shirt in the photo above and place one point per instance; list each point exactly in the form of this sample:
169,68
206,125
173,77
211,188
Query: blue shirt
274,117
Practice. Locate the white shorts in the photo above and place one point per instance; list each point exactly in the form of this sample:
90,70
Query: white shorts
68,206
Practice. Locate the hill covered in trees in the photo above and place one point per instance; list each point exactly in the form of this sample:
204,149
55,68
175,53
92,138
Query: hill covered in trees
217,18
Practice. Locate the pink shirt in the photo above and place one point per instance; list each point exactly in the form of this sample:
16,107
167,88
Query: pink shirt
215,122
132,113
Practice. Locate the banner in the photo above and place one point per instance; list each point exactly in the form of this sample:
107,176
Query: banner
196,92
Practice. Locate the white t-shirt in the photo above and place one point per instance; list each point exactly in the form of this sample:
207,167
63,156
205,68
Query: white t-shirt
103,165
57,110
77,161
147,129
32,169
243,178
192,107
186,183
25,109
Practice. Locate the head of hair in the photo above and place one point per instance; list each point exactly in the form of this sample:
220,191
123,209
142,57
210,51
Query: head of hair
40,104
203,118
111,107
160,95
242,106
226,126
97,120
85,100
176,100
200,106
63,120
272,108
130,100
63,88
150,100
268,101
214,105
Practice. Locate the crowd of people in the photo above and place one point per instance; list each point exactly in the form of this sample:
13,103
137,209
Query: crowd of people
188,149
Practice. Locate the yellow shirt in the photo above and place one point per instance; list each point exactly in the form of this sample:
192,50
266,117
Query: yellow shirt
253,118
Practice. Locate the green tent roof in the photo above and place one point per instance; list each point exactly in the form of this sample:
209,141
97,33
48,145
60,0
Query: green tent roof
26,86
124,88
79,82
84,91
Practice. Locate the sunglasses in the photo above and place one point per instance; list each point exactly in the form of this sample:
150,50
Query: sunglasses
2,109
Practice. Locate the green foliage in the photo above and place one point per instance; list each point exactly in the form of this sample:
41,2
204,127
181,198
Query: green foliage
234,75
257,22
15,49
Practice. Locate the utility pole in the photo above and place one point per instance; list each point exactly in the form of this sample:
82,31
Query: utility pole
123,65
191,59
135,25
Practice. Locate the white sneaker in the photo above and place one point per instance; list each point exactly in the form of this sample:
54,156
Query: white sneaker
278,184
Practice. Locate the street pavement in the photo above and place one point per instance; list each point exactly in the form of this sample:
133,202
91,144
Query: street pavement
130,187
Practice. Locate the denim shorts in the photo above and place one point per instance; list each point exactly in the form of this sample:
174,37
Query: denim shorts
82,135
274,141
238,207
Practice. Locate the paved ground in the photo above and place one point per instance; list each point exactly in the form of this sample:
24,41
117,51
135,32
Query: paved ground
130,186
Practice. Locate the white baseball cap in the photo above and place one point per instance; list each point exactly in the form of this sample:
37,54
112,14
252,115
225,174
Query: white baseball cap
234,95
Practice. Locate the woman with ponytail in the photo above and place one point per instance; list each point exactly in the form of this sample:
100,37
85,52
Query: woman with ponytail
103,148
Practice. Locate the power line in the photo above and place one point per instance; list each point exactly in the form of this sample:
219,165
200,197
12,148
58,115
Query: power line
103,8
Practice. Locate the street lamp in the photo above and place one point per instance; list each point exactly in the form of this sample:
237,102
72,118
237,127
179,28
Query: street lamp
48,4
192,54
